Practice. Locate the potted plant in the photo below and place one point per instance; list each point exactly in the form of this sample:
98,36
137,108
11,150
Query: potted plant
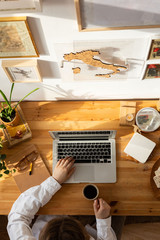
8,114
3,168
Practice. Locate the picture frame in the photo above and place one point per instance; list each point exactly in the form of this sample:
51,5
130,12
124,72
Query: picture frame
124,55
101,15
10,6
151,71
17,38
22,71
154,52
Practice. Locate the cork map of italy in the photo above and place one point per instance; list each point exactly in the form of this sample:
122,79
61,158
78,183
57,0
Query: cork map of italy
88,57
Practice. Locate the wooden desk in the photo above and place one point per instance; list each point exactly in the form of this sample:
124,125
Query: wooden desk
131,195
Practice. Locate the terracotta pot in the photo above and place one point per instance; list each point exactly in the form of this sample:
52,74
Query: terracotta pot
15,121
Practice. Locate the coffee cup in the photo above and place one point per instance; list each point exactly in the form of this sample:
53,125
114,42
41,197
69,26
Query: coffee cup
90,191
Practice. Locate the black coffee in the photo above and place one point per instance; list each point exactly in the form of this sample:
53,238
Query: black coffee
90,192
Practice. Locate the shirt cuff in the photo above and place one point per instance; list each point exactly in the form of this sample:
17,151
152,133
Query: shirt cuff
51,185
104,222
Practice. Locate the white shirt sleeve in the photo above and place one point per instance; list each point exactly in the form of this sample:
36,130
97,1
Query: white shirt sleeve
26,206
104,229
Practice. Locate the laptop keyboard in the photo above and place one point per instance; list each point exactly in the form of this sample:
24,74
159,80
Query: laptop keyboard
86,152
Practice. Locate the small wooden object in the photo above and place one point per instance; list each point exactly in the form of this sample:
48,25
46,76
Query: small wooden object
158,105
127,113
153,185
22,178
19,133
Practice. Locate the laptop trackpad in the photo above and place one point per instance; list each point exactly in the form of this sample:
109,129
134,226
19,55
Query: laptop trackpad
84,174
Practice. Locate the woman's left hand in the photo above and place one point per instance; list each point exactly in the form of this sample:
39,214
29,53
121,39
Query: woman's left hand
63,169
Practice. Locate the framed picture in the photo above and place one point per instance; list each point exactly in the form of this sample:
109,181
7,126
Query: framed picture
91,60
98,15
152,71
17,39
154,49
7,6
22,71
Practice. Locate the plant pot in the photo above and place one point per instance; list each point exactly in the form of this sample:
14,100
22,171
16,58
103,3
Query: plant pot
15,119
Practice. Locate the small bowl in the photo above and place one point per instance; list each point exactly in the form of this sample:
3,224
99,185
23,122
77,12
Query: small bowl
148,119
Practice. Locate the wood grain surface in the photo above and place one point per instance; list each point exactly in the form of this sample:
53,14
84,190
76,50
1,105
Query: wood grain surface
131,195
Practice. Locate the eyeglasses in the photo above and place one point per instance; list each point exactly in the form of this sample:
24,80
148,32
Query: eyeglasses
26,160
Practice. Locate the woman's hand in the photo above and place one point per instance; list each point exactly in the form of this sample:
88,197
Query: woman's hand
63,169
101,208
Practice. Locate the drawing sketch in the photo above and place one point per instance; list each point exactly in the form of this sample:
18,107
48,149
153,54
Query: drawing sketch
16,39
10,40
22,73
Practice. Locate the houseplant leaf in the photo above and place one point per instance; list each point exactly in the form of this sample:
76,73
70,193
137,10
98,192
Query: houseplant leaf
5,98
2,125
10,97
2,156
6,172
26,96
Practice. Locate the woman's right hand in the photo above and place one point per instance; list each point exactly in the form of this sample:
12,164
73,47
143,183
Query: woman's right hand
101,209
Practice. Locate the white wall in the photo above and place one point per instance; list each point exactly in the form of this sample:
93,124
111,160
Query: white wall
57,23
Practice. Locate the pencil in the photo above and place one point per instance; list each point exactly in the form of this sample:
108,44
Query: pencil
30,170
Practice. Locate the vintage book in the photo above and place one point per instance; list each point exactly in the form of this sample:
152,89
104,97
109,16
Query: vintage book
22,176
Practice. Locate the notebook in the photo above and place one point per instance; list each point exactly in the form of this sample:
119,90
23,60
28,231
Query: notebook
22,178
94,152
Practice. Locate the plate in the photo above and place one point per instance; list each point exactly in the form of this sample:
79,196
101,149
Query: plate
153,185
148,119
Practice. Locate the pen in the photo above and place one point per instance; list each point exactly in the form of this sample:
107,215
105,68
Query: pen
30,170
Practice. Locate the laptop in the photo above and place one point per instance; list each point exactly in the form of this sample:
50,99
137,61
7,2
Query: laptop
94,153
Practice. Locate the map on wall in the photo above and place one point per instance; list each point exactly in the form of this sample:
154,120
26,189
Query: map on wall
89,57
101,60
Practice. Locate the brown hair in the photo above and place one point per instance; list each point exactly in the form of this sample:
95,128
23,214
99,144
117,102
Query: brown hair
63,228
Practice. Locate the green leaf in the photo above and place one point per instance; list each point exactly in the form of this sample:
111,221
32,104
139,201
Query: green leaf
14,170
0,166
2,126
9,118
7,172
2,157
26,96
4,167
5,98
11,93
1,175
2,105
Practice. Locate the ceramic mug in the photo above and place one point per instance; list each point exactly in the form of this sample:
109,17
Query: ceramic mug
90,191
